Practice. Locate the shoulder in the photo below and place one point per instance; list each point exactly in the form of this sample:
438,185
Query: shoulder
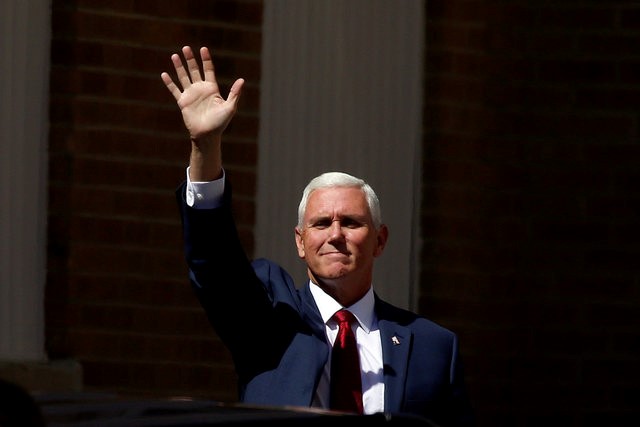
276,280
417,323
269,271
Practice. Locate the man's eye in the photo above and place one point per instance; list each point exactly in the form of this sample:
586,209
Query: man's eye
350,223
321,224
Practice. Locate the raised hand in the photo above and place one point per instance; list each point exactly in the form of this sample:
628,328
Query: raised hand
205,112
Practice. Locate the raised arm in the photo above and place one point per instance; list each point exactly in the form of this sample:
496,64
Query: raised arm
205,112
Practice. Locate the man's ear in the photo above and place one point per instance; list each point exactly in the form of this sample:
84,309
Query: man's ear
382,237
299,242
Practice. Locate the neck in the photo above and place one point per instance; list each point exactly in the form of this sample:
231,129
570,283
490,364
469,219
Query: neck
345,292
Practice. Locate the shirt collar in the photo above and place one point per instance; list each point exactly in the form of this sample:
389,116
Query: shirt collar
362,309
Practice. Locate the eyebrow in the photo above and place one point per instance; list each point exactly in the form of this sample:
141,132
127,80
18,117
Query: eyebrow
356,217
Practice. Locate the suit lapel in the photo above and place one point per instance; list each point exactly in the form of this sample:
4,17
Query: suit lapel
396,342
320,349
311,314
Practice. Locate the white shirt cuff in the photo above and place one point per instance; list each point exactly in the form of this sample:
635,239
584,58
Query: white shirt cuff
205,195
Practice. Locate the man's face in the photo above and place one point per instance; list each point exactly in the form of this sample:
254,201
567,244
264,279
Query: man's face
338,239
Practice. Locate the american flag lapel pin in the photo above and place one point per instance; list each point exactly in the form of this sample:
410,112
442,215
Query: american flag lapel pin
395,340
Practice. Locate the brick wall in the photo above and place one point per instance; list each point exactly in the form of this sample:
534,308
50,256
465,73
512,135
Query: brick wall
117,296
530,215
531,204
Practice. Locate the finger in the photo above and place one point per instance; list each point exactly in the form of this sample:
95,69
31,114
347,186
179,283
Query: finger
235,92
168,82
207,65
183,77
192,64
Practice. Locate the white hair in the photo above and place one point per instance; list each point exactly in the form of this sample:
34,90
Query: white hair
341,179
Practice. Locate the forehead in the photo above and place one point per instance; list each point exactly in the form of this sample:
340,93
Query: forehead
337,200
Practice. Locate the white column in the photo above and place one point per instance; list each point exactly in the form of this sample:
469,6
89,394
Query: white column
342,87
25,40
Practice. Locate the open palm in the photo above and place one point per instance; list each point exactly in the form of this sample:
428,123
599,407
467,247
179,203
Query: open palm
204,111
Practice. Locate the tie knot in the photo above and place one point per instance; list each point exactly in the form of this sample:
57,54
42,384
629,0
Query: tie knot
344,316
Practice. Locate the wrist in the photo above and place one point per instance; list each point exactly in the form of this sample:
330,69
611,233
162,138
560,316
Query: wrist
205,160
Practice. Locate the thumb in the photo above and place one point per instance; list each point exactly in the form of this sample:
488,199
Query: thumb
235,91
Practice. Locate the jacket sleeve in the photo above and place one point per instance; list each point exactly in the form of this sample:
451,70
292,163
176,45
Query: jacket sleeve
223,279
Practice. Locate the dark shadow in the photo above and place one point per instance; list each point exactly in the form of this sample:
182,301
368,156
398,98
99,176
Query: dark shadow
18,408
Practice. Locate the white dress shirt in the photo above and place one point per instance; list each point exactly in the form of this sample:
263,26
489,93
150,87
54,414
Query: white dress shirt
369,349
208,195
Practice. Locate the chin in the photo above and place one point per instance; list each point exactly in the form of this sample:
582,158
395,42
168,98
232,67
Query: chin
334,274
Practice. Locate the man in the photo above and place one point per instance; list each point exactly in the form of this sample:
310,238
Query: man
281,337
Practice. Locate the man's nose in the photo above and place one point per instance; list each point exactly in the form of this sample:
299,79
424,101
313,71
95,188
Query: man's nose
335,231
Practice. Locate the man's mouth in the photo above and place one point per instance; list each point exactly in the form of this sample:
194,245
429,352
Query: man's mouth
336,254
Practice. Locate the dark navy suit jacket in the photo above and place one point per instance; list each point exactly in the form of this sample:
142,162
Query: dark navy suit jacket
277,338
